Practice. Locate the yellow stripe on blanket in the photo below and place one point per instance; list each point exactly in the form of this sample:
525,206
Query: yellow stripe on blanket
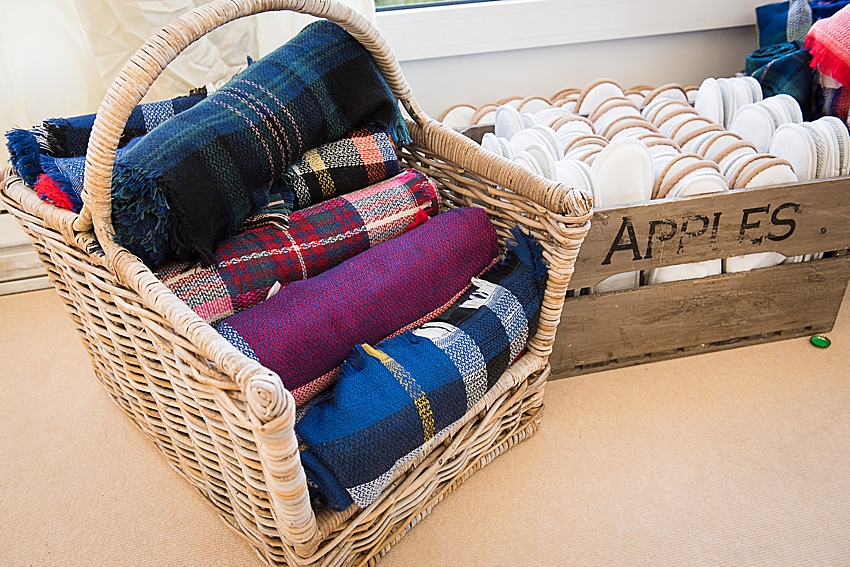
317,164
423,405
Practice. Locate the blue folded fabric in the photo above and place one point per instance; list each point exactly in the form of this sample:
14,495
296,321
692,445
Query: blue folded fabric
826,8
393,398
781,22
69,137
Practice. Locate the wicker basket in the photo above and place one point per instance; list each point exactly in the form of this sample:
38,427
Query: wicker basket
225,422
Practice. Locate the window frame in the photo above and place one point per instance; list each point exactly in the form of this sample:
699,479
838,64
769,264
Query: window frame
430,32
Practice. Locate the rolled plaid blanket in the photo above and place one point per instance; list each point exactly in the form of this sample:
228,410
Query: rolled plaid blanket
362,158
305,331
247,265
392,399
193,181
783,22
831,98
784,68
69,137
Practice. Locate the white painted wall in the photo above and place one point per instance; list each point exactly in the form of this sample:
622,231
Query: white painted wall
482,52
477,79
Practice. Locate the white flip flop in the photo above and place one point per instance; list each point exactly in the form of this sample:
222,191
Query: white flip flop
624,172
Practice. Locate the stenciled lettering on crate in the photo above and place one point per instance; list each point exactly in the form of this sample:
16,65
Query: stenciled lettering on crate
695,226
792,219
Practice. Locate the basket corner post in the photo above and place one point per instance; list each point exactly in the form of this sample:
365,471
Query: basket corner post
272,413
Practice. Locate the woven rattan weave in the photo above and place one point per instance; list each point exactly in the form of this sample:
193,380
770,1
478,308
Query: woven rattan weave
223,421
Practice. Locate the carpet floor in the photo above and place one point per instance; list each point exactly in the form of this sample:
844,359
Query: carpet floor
734,458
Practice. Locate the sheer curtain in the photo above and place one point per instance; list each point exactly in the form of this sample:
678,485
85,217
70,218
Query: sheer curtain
57,57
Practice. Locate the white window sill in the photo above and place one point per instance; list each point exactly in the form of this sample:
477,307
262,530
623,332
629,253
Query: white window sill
464,29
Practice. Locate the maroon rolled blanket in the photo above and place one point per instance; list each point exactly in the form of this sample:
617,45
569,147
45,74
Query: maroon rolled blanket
318,238
305,331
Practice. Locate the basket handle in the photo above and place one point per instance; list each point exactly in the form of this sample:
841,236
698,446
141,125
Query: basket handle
137,76
275,437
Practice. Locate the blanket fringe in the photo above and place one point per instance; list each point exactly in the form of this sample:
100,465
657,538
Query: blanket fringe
55,138
140,214
24,152
530,252
826,62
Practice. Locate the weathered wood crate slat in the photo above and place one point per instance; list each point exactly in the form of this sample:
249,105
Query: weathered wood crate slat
658,322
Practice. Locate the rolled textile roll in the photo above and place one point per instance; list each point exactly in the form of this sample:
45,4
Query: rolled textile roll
365,156
829,44
305,331
193,181
247,265
784,68
69,137
782,22
393,399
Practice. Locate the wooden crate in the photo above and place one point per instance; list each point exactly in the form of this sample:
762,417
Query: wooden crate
663,321
658,322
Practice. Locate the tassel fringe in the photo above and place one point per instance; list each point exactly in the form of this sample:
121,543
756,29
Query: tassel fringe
825,61
140,214
530,252
24,152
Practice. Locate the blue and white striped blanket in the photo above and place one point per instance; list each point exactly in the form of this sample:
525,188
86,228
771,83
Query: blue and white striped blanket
393,398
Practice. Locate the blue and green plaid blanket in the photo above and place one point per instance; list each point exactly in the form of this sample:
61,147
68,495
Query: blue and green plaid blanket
784,68
394,398
193,181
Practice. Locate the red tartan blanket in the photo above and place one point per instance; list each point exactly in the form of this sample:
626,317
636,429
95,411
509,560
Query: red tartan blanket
247,265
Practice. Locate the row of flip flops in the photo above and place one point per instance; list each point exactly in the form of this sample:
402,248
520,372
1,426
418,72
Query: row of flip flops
720,99
573,100
625,153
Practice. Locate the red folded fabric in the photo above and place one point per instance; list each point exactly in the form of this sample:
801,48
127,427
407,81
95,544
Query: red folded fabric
318,238
828,43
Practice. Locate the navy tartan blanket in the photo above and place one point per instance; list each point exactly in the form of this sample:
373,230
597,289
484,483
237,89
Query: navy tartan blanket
69,137
305,331
784,68
194,180
317,238
392,399
362,158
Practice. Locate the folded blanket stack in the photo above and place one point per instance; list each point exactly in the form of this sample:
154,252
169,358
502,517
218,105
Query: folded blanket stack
392,399
69,137
305,331
193,181
316,239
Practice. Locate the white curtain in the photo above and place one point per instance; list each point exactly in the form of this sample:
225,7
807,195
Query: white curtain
57,57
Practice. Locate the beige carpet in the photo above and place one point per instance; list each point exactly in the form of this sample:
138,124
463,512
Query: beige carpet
734,458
